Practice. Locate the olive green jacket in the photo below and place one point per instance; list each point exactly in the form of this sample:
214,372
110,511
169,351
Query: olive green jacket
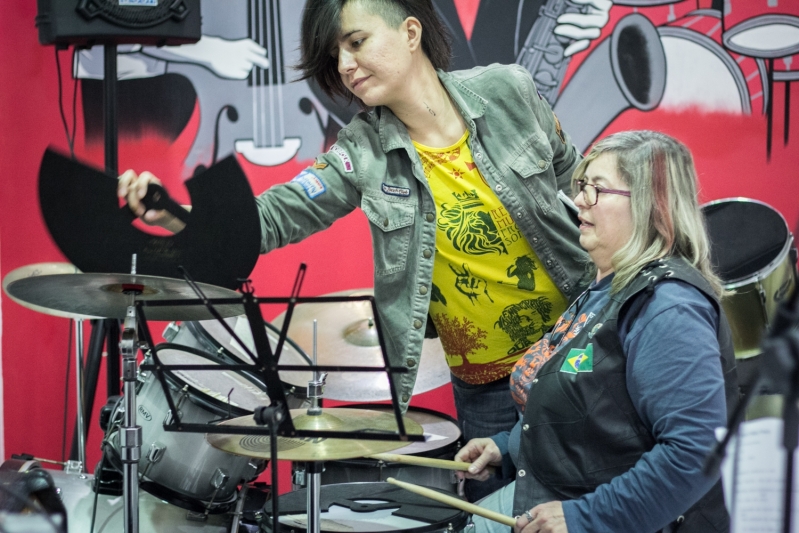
518,147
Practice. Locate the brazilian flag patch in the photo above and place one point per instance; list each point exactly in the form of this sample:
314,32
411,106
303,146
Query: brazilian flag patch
579,360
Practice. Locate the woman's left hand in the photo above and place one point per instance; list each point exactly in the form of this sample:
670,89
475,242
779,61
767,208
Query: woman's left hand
547,518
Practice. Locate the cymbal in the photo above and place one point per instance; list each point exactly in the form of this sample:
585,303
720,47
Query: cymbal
302,449
42,269
103,295
346,336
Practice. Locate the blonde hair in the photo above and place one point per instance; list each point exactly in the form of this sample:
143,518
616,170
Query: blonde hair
659,171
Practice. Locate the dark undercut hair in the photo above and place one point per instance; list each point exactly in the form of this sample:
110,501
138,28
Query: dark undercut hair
321,25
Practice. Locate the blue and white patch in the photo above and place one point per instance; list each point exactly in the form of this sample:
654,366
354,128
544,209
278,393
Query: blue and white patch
343,155
393,190
138,2
311,183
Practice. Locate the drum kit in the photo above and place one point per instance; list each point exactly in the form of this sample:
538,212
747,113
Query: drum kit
183,476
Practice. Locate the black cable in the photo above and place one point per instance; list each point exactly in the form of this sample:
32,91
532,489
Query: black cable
97,472
61,103
74,108
66,394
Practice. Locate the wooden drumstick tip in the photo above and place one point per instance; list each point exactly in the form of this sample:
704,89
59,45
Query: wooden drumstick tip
454,502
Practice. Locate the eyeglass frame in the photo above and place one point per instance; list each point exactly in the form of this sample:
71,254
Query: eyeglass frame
582,184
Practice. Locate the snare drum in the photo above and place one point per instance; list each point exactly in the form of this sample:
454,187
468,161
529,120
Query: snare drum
443,441
183,468
211,337
750,245
365,508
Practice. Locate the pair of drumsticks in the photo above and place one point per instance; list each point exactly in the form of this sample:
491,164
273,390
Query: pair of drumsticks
435,495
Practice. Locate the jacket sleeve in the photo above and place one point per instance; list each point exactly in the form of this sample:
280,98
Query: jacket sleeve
315,198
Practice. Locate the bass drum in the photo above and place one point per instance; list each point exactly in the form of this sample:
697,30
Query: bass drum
183,468
155,515
211,337
443,441
752,252
366,508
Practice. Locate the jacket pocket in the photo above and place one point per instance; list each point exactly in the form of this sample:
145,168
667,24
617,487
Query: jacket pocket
533,164
391,224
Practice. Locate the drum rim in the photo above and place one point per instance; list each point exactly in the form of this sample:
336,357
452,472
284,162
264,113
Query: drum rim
217,407
756,22
195,327
717,49
764,272
457,522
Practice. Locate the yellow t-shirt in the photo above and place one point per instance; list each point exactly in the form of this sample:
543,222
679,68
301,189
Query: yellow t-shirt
491,298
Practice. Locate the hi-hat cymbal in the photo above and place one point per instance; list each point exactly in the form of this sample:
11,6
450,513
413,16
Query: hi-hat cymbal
104,295
303,449
346,336
42,269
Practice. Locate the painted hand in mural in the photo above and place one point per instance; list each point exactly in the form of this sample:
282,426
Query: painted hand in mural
230,59
585,26
482,453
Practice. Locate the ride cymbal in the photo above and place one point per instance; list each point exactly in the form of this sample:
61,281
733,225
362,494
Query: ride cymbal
42,269
104,295
304,449
347,336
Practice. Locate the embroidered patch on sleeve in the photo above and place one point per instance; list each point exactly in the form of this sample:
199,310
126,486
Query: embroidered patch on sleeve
343,155
559,130
579,360
311,183
396,191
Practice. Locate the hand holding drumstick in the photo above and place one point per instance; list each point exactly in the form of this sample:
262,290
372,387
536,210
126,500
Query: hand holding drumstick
483,454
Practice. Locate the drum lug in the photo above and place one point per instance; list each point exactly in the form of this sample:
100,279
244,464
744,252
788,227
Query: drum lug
171,331
220,479
156,452
298,476
168,417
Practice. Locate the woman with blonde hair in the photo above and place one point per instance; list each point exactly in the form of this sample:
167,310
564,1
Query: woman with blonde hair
621,399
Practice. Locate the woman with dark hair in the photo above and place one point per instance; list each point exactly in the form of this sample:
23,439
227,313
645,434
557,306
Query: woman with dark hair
479,145
621,399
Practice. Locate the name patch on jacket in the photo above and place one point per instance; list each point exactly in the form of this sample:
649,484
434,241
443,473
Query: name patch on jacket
396,191
311,183
343,155
579,360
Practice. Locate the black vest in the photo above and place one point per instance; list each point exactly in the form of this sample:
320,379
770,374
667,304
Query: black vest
586,431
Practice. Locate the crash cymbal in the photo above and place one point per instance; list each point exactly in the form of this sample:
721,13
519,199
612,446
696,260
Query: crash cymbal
42,269
346,335
303,449
103,295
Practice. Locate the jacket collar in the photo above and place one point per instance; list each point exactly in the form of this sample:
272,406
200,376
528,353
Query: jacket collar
394,134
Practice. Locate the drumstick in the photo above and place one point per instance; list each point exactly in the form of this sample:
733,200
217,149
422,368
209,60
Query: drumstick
454,502
420,461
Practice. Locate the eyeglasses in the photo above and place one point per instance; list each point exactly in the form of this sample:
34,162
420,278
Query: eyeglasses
591,192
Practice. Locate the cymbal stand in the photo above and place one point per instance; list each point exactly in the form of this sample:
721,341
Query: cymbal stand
130,434
313,470
80,422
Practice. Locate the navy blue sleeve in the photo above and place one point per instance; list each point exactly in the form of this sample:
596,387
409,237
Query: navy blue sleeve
675,380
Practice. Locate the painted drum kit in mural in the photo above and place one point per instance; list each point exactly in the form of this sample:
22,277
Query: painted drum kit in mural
202,414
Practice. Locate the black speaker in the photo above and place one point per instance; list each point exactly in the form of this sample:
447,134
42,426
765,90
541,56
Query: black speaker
89,22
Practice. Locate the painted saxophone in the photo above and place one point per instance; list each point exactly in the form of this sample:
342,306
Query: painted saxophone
542,53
